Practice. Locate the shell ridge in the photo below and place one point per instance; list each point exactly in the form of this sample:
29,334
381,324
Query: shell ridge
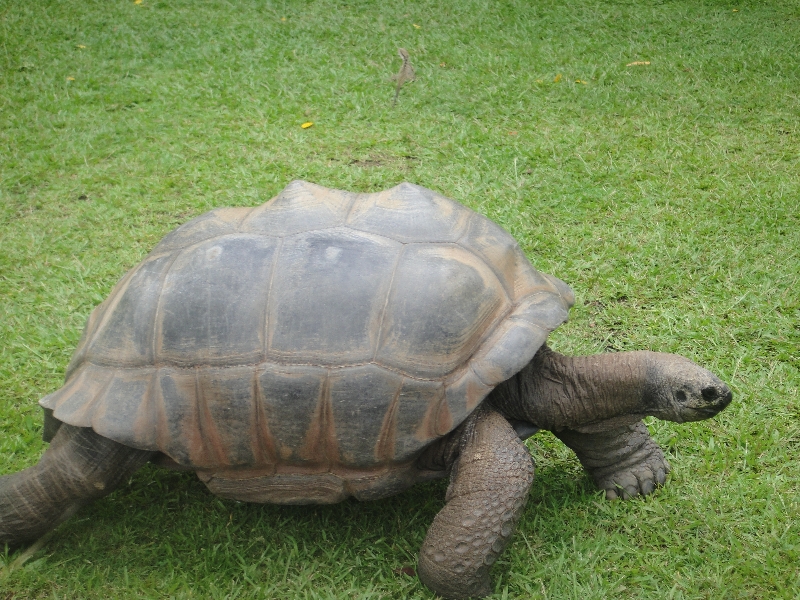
389,290
268,322
244,217
355,200
203,227
369,234
426,428
263,363
317,446
265,447
287,191
162,419
481,379
210,444
146,423
89,407
54,400
158,314
328,428
387,435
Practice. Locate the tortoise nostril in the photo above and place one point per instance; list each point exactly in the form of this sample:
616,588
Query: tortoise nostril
709,393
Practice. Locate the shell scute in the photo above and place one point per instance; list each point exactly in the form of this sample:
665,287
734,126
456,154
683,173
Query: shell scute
362,403
443,301
291,399
507,351
178,435
328,295
212,302
225,411
415,416
75,401
115,412
123,335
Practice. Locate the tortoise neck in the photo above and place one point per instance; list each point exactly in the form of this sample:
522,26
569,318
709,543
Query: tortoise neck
558,392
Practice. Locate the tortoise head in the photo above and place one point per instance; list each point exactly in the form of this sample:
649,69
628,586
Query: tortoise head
680,390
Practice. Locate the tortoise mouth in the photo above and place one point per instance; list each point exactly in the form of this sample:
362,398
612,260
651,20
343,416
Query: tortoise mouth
699,413
709,411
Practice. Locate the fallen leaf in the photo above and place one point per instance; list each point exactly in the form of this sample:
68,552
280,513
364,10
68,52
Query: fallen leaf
512,133
81,46
540,81
735,10
638,63
417,26
557,78
283,18
442,64
70,79
580,81
306,125
405,571
137,1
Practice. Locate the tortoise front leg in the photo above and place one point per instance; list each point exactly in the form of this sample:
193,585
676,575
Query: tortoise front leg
489,485
625,462
78,467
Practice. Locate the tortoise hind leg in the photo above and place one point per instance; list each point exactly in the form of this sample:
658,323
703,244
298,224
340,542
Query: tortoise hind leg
78,467
489,485
624,462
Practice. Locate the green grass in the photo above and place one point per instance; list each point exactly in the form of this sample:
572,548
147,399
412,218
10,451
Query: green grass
666,194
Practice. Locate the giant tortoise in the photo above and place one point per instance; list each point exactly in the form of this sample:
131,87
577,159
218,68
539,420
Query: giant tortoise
331,344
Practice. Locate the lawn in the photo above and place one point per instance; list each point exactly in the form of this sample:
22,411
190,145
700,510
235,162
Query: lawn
646,152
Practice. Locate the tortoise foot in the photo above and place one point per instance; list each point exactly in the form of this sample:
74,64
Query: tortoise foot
625,462
641,474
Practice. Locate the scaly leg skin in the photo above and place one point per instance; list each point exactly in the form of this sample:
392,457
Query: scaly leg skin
489,486
624,462
78,467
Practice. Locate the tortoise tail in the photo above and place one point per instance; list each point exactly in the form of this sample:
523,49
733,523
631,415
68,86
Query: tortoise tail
78,467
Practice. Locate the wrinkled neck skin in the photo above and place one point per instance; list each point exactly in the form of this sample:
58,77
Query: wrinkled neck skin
583,393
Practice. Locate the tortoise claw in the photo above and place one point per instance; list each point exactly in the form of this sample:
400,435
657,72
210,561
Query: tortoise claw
639,478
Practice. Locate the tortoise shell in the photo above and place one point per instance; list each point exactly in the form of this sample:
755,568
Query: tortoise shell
324,332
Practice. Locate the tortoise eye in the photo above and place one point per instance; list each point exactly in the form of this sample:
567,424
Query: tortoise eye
680,395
